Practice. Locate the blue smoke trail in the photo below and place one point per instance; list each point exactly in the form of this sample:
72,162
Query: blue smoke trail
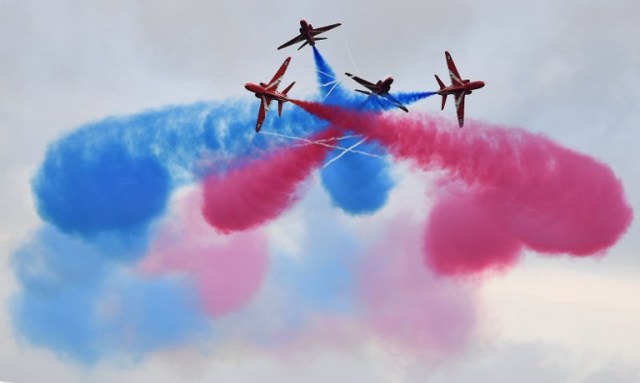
358,184
332,92
77,302
324,282
408,98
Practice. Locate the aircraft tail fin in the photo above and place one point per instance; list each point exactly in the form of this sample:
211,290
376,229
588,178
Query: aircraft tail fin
440,82
444,96
281,102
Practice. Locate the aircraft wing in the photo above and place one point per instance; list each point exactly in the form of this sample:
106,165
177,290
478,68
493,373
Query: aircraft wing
317,31
275,81
262,113
395,102
460,108
372,87
295,40
453,71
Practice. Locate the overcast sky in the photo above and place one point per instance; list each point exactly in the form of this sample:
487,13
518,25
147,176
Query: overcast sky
567,69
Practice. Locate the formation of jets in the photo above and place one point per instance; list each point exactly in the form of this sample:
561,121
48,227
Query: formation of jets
268,92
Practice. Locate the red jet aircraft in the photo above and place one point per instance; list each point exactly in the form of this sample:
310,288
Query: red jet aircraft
380,88
269,92
308,34
459,88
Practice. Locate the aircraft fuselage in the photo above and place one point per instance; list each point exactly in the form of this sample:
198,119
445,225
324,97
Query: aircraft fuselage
261,90
466,87
384,86
305,30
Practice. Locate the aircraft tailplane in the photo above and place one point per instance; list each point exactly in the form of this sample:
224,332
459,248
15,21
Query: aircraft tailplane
286,90
281,102
444,101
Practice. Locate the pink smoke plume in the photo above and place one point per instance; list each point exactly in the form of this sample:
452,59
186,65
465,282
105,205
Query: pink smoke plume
406,304
262,189
465,236
228,270
522,189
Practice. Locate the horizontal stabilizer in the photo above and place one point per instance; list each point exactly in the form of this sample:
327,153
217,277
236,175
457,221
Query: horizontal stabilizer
286,90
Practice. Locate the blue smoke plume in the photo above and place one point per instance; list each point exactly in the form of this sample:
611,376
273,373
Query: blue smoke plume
77,302
358,184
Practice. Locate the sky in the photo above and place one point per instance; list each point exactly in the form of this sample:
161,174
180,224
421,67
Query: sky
331,282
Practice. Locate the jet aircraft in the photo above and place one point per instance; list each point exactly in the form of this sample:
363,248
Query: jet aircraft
380,88
459,88
308,34
269,92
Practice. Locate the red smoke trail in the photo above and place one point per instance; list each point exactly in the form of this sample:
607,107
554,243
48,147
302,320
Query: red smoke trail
228,270
261,190
407,305
518,189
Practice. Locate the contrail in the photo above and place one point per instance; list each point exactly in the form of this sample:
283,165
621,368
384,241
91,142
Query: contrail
349,149
322,143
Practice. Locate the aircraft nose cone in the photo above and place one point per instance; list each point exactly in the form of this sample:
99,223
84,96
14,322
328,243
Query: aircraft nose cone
481,84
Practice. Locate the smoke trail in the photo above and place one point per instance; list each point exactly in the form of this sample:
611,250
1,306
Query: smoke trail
77,302
407,305
332,92
465,235
358,184
261,190
227,270
412,97
86,189
541,195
